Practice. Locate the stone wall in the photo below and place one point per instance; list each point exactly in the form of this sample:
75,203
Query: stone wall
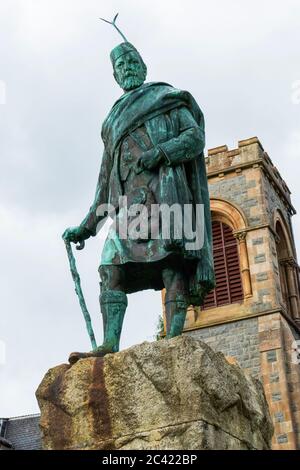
263,346
273,201
248,194
281,380
243,190
238,340
292,367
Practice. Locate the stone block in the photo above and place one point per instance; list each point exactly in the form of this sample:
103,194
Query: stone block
262,277
282,439
279,418
168,395
251,184
258,241
260,258
276,396
271,356
274,377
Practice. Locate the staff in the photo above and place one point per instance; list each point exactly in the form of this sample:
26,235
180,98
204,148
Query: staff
78,290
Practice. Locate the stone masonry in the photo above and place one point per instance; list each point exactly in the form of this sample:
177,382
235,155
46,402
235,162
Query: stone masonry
248,194
175,394
236,339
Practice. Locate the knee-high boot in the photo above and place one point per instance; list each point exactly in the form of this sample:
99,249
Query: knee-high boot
175,315
113,306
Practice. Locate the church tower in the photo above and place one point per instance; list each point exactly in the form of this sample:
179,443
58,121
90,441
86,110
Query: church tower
253,315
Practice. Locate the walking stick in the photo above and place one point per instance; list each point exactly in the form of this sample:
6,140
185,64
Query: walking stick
78,290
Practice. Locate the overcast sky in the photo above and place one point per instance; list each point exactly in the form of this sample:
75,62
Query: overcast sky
240,60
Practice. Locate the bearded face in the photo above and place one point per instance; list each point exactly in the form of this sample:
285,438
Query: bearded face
130,71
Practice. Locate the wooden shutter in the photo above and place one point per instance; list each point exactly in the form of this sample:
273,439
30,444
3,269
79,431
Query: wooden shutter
227,268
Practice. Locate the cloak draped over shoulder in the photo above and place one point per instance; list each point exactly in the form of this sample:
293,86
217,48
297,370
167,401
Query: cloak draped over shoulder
139,108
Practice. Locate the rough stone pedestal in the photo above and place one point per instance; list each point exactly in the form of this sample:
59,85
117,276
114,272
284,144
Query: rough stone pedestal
170,394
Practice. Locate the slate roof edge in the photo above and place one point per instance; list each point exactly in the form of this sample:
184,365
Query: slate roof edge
14,418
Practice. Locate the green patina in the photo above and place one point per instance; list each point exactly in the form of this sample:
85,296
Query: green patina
153,153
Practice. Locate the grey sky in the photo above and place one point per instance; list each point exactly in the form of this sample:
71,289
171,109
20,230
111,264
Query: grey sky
239,60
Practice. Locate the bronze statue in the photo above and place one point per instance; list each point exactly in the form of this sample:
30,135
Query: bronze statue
153,154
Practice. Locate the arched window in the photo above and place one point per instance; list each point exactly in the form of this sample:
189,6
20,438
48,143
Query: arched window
227,268
283,259
288,267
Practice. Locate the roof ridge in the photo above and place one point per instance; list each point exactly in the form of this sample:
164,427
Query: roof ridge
22,416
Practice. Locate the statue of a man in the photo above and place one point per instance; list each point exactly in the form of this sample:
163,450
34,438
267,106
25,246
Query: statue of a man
153,154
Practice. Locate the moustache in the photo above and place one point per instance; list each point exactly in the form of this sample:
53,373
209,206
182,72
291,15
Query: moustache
130,74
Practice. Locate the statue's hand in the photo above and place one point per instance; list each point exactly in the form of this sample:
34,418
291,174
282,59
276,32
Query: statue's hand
76,234
149,160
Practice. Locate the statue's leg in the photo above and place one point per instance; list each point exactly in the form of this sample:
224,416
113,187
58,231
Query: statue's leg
175,300
113,303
